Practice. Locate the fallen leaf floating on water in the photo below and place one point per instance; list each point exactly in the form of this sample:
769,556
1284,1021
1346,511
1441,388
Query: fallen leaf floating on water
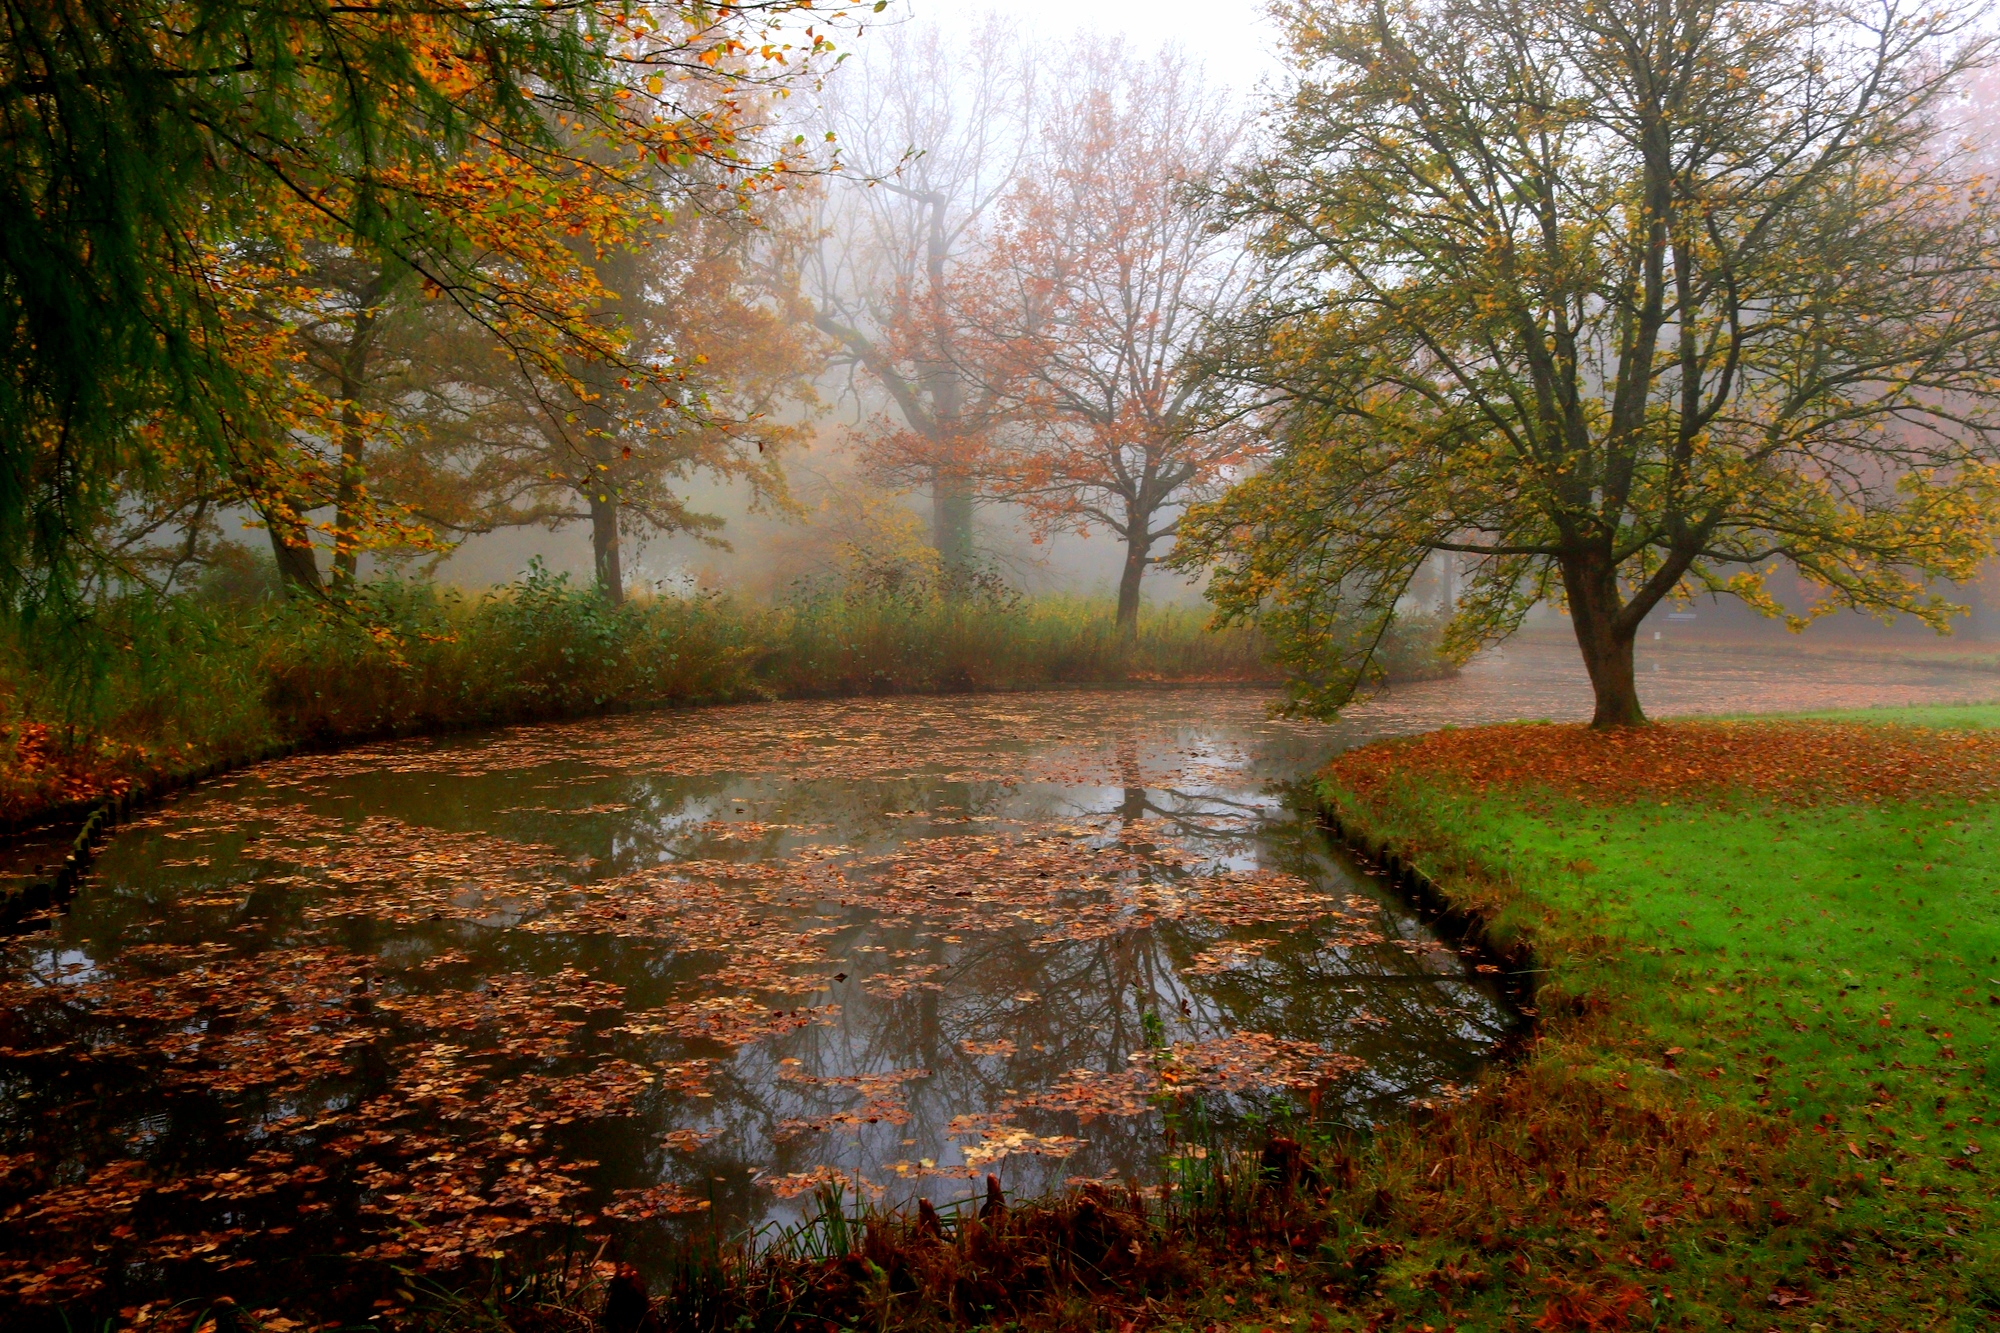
653,1201
726,1020
1226,956
996,1141
445,1153
882,1100
950,740
997,1046
894,985
794,1184
1243,1062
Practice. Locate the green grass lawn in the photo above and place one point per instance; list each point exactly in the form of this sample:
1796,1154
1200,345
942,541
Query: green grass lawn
1915,715
1855,947
1823,979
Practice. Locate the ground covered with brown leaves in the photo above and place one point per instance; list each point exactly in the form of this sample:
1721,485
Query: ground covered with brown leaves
1782,761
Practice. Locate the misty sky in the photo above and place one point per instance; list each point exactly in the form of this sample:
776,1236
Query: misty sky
1233,38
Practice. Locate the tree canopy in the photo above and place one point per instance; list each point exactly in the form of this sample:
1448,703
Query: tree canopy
1095,303
1624,302
165,168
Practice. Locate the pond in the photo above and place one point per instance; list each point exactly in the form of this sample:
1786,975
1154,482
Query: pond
625,976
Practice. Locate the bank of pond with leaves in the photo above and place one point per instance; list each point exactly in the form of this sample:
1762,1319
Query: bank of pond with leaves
154,691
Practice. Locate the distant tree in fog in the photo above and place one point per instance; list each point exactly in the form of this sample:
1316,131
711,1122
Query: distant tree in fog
1622,302
1098,300
931,130
699,301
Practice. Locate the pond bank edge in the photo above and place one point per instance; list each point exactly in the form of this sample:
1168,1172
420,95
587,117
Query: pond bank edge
1466,922
95,817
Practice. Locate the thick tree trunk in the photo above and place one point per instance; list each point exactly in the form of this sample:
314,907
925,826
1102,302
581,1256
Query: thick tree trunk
951,521
604,547
1607,655
1128,586
1605,643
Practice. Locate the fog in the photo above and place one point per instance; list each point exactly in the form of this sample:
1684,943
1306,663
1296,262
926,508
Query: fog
1002,101
761,549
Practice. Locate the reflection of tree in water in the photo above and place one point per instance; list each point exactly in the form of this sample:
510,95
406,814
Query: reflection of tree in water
1417,1022
1182,780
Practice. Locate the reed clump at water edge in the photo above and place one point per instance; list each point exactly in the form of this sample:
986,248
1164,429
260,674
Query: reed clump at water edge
1097,1256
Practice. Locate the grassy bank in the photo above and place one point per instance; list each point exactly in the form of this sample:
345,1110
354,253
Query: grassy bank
1764,1090
152,690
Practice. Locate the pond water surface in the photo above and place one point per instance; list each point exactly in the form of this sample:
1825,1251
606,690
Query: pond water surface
414,999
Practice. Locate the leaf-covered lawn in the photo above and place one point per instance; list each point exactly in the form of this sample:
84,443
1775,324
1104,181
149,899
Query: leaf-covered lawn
1789,927
1790,762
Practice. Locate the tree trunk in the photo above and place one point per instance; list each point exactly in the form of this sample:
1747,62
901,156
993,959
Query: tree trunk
604,546
298,569
347,496
1606,644
951,490
1128,586
353,376
951,521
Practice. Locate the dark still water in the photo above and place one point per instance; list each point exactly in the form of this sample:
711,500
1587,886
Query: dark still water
414,1000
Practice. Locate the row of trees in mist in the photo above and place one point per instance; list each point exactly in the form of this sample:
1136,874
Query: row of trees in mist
1041,295
391,285
1610,303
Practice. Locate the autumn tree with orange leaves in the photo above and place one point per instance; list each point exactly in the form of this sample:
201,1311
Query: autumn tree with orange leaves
698,298
1620,302
1097,303
171,174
